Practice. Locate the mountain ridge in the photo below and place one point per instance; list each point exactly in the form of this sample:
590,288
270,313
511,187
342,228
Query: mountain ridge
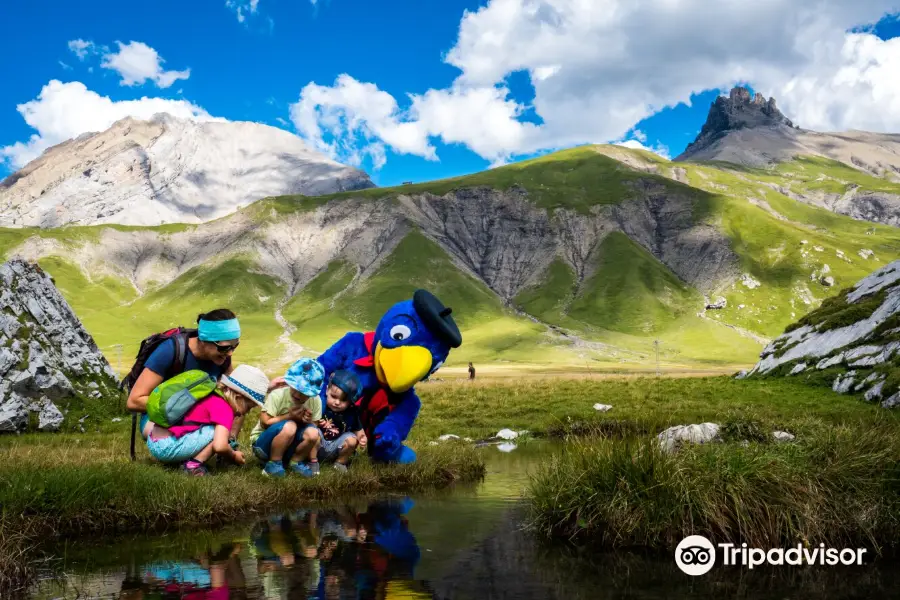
526,251
166,170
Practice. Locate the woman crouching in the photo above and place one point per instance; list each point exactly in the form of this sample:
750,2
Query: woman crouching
206,426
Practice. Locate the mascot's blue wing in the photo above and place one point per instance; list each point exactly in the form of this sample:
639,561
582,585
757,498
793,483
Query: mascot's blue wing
343,352
401,419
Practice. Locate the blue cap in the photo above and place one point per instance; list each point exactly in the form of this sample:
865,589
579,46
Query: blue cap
348,382
305,376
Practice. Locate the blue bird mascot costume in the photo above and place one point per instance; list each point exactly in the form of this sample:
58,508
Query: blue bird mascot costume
411,342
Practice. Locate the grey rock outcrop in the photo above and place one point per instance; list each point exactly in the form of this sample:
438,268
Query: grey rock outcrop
167,170
45,353
861,353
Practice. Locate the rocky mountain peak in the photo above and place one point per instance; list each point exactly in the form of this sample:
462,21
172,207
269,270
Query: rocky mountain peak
167,170
46,355
740,110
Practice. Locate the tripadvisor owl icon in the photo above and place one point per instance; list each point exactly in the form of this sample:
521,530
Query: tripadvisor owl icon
695,555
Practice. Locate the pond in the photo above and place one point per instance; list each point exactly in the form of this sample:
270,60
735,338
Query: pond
467,543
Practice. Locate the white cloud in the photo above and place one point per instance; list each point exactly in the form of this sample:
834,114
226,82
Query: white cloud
352,119
242,8
854,86
598,67
137,63
660,149
66,110
82,48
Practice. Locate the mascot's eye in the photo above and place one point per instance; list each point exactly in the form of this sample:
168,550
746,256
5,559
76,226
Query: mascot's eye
400,332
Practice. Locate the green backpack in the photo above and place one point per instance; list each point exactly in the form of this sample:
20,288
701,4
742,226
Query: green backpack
170,400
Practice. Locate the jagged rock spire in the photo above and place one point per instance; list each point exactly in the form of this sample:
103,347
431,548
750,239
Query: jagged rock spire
739,110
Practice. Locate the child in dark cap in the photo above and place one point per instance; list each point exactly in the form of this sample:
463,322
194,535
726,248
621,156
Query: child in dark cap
341,428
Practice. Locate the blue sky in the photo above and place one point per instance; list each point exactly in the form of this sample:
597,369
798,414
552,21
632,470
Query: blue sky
256,68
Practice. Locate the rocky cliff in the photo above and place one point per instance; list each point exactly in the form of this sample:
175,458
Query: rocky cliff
166,170
852,341
46,356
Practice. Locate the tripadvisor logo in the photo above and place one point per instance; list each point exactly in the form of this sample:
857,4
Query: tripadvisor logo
696,555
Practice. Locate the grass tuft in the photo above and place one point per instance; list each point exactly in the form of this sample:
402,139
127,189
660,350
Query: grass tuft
16,546
838,487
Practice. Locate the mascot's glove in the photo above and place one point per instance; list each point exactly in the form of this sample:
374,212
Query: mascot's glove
388,442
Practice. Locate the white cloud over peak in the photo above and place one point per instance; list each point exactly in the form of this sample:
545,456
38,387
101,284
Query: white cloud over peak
598,67
137,63
66,110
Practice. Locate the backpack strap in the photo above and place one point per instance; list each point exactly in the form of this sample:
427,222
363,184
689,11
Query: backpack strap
181,343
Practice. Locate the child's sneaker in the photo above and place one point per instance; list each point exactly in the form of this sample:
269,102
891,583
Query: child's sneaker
273,469
302,469
314,467
194,468
340,468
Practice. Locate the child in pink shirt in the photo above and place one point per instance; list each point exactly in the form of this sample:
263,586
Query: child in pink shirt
206,427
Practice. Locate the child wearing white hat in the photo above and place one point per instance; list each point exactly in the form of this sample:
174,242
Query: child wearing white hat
206,426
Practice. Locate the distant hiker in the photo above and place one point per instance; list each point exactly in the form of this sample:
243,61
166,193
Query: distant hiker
207,425
286,427
471,372
340,427
164,355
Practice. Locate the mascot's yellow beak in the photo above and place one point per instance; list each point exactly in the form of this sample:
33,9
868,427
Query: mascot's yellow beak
401,368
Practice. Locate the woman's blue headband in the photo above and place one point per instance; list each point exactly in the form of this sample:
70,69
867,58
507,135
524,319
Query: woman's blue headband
219,331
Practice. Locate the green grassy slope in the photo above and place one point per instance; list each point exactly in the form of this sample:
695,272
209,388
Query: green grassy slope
229,284
628,299
773,251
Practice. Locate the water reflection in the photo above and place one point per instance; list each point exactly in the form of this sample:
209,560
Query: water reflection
332,553
467,543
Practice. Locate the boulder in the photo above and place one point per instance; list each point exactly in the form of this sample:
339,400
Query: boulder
782,436
798,368
602,407
719,304
703,433
507,434
844,382
50,418
874,393
13,416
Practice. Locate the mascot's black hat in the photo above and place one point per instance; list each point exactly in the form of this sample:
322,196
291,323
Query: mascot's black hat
437,318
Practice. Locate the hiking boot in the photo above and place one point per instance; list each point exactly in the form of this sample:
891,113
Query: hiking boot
194,469
340,468
303,469
273,469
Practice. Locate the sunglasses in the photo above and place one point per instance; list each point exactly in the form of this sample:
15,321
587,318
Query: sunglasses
225,349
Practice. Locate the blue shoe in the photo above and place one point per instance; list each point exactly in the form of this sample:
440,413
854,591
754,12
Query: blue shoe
302,469
274,469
